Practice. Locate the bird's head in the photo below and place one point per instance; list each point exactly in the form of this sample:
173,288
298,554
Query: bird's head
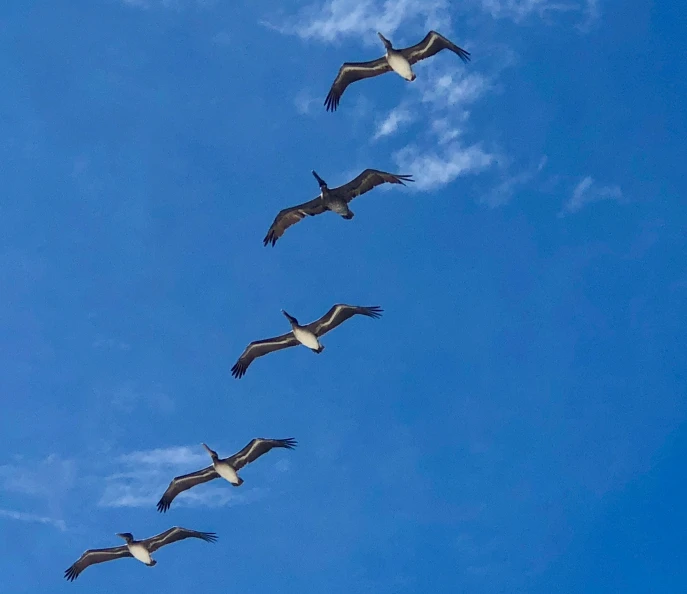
127,536
213,453
323,184
385,41
289,317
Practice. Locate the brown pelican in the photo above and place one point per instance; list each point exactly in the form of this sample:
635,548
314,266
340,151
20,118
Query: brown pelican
335,199
307,335
139,549
222,467
398,60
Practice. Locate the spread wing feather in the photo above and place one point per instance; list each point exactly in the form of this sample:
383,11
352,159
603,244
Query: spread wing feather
256,448
93,556
339,314
181,483
290,216
173,535
430,45
368,179
351,72
258,349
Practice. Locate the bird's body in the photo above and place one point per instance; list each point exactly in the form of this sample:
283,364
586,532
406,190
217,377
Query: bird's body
307,338
140,552
399,61
226,468
227,472
332,199
308,335
138,549
400,65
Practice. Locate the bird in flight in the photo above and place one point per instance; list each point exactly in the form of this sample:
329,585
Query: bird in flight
334,199
307,335
398,60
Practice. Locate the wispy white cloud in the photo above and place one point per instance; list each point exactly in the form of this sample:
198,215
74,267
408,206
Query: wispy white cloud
439,105
518,10
454,87
127,397
33,518
139,479
38,479
335,19
588,191
503,192
305,101
393,122
436,168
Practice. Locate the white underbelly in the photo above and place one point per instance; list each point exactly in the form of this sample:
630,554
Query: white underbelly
141,553
306,338
401,66
227,473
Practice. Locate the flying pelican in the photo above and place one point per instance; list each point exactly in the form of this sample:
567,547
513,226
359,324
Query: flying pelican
307,335
398,60
139,549
335,199
222,467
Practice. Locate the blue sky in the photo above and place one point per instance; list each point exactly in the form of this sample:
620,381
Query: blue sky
515,422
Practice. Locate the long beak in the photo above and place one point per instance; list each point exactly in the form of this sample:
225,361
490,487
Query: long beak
319,179
385,41
289,317
211,452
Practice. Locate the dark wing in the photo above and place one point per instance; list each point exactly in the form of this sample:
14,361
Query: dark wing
256,448
430,45
290,216
174,534
351,72
182,483
339,314
93,556
367,180
258,349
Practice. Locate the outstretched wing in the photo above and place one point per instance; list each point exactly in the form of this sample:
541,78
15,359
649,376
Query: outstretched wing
339,314
93,556
351,72
182,483
290,216
258,349
430,45
368,179
173,535
256,448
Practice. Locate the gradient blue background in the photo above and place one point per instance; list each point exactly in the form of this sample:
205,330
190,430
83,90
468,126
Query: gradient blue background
516,420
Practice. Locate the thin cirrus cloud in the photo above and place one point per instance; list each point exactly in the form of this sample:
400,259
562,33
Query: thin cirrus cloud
33,518
441,167
503,192
443,155
42,479
394,121
587,192
140,478
336,19
45,482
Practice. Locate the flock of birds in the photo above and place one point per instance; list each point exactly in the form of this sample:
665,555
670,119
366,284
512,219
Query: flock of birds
308,335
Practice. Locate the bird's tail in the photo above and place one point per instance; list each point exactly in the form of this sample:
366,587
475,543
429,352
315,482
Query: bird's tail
239,483
318,350
348,216
152,562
